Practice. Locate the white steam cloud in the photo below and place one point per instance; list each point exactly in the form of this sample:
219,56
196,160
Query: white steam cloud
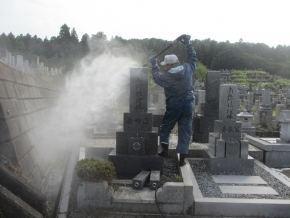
95,86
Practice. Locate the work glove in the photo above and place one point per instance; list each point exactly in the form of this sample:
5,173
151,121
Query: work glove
153,61
186,39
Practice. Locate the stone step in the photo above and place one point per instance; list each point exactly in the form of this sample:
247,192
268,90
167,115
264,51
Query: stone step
238,179
247,190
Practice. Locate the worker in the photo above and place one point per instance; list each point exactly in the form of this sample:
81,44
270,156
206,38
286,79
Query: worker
177,81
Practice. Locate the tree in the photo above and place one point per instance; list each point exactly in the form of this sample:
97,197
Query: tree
200,71
233,58
84,46
3,41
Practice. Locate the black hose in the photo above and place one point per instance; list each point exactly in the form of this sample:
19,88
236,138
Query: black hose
157,202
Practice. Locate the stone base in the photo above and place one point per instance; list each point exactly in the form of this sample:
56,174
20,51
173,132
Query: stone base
200,137
234,165
275,154
129,166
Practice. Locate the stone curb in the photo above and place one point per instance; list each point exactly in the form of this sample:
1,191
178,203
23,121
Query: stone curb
172,198
239,207
13,206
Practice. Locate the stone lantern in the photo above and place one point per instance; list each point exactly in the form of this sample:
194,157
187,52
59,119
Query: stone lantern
246,119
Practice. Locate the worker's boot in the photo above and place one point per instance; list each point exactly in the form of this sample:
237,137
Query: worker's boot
181,159
164,152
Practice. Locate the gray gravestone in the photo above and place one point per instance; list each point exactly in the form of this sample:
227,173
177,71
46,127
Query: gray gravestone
19,65
228,130
4,55
284,118
265,110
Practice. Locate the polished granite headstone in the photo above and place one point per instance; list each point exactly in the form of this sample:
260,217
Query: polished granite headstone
227,150
137,145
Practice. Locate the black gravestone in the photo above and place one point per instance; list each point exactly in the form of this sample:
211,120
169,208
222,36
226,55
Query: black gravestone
137,145
204,124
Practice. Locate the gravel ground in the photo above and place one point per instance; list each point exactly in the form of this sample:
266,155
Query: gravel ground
211,190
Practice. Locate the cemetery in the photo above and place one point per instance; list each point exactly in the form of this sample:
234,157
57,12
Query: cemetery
237,164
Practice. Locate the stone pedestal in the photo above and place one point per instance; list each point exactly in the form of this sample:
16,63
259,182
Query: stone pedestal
235,165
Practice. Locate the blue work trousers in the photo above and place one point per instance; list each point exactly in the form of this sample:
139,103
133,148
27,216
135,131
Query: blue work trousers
181,113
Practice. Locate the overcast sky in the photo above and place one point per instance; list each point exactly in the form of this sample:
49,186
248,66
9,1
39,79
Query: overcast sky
254,21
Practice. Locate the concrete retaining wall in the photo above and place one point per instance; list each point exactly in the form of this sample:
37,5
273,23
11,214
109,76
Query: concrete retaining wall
25,106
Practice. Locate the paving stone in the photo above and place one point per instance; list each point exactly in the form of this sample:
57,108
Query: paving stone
36,92
29,80
23,77
25,92
4,132
238,179
33,81
10,90
37,177
26,165
248,190
43,103
36,104
6,72
14,129
22,124
9,109
19,91
30,91
34,156
21,146
3,93
21,107
31,137
32,105
27,105
17,76
29,121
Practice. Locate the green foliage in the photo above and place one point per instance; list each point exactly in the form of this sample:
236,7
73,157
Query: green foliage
285,82
267,84
200,71
177,178
64,50
247,72
95,170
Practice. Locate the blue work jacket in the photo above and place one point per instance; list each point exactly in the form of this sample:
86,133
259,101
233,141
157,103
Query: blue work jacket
178,80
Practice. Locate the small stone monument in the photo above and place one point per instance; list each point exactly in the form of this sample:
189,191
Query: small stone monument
137,145
227,150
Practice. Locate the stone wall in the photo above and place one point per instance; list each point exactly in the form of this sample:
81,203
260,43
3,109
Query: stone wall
25,106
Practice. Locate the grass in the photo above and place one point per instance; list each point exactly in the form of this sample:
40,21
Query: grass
177,178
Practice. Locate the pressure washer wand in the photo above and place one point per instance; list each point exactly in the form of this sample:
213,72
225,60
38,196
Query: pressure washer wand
169,46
